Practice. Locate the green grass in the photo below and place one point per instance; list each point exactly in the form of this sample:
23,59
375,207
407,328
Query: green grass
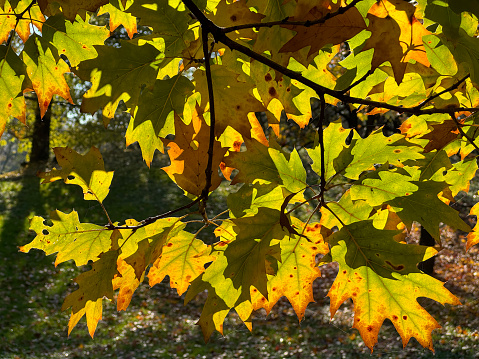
157,325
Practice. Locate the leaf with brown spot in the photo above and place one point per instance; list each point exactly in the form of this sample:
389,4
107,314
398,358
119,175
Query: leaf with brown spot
381,276
183,259
46,71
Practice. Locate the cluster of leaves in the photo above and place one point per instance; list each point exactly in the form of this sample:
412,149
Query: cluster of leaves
201,73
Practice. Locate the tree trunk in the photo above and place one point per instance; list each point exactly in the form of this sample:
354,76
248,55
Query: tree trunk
40,152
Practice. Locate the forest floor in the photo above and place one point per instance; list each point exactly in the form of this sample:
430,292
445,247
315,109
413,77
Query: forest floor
157,325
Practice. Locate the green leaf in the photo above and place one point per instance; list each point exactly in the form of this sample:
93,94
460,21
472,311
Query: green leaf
81,242
74,40
167,96
86,171
412,201
268,163
118,74
363,153
334,143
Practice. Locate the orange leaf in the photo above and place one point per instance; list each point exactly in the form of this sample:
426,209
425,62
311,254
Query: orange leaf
396,36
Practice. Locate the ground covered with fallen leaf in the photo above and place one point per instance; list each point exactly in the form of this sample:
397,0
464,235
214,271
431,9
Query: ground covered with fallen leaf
157,325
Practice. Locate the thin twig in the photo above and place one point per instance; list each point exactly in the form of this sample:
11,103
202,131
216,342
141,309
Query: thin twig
450,88
354,84
459,127
153,219
286,21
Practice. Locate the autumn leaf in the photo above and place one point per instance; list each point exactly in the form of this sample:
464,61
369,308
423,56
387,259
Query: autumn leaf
86,171
297,270
381,277
441,134
45,70
93,286
71,8
333,31
118,16
72,239
233,100
188,156
396,36
12,76
183,259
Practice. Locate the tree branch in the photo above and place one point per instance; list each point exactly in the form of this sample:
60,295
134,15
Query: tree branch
219,36
286,21
209,165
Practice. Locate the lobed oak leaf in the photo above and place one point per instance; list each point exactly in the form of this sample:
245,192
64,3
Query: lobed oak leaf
381,277
363,153
71,9
189,155
297,269
93,286
396,36
81,242
233,100
118,74
333,31
45,70
118,16
183,259
86,171
12,79
74,40
441,135
411,200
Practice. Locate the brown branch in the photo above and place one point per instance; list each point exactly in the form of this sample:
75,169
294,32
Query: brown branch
321,146
286,21
459,127
209,165
219,36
